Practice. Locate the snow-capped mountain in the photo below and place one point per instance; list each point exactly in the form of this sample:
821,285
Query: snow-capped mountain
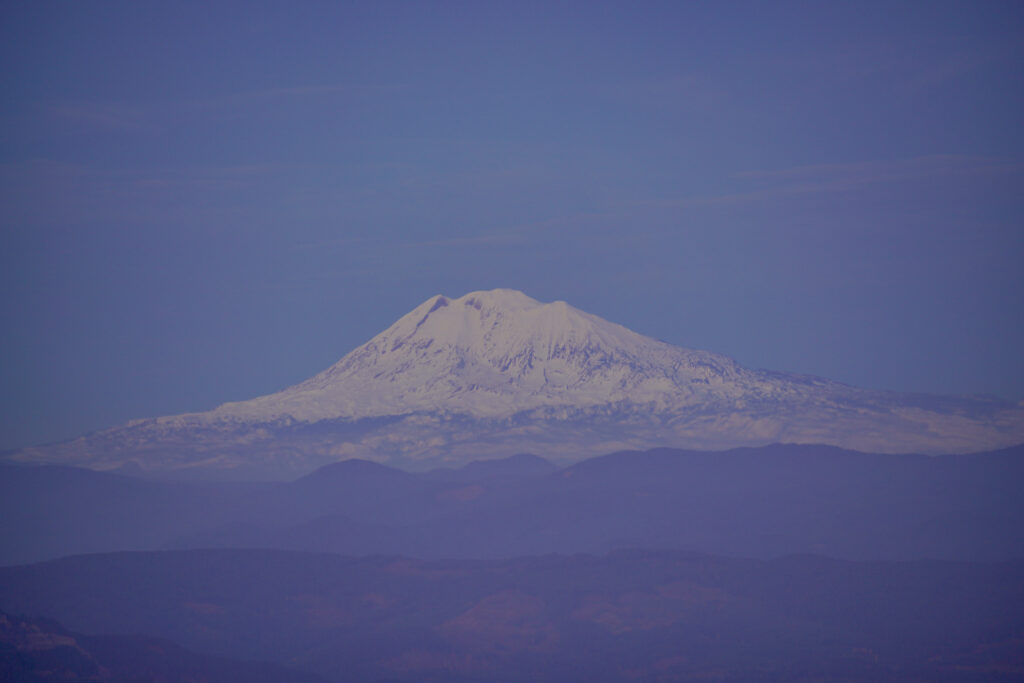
493,355
495,373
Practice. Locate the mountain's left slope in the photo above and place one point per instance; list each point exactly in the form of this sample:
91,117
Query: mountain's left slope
495,373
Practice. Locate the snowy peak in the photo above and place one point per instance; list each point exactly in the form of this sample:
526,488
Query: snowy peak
491,354
501,325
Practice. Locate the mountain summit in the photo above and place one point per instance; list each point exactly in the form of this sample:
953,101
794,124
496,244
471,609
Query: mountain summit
494,373
495,354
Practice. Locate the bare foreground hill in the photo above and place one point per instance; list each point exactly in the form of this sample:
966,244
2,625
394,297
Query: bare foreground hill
35,650
630,615
496,373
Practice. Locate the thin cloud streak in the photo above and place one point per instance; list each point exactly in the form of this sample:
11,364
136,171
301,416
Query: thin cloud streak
918,66
116,116
482,240
295,92
830,178
155,117
881,170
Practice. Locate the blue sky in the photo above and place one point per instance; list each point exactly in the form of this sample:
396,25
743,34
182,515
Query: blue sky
203,202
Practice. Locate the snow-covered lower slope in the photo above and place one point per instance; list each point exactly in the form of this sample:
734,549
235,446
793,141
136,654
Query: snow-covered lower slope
495,373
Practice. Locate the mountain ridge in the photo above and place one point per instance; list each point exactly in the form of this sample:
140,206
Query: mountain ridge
744,502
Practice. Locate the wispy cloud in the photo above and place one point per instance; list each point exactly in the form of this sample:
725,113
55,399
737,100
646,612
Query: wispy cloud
885,170
527,233
249,97
156,117
49,192
916,66
114,116
690,89
494,239
832,178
